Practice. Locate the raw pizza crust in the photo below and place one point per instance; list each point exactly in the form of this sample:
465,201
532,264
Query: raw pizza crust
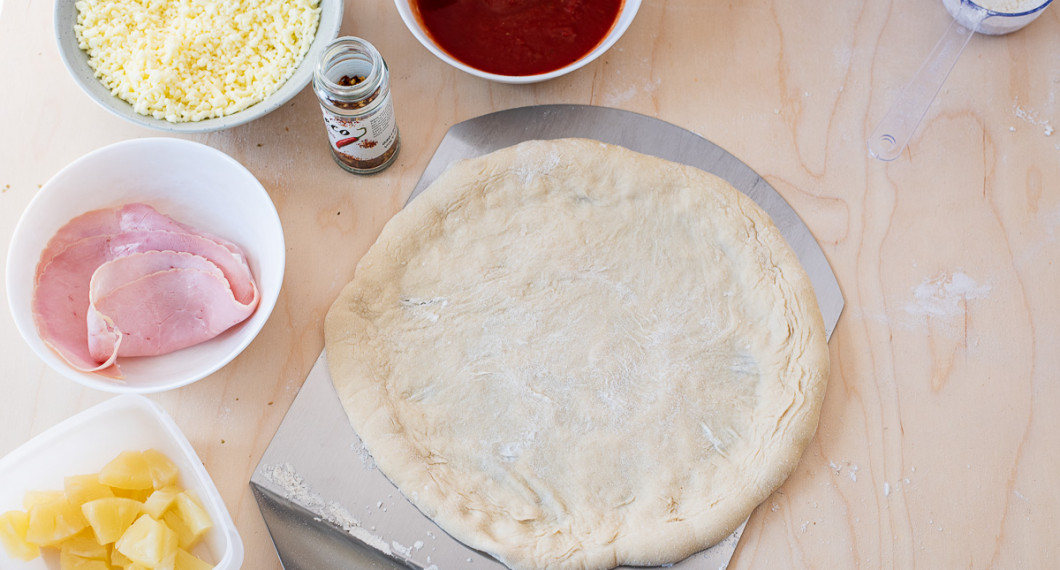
571,355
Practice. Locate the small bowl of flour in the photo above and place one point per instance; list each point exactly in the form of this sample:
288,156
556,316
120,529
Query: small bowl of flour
1002,16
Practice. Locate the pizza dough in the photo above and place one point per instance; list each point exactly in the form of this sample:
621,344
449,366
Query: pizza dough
571,355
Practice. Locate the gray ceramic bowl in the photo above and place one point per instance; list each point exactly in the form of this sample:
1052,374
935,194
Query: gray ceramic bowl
77,62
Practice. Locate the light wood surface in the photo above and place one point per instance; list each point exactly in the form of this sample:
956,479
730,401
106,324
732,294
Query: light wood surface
939,442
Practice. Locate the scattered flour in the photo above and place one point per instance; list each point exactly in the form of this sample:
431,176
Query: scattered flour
296,489
629,91
945,295
852,469
528,172
405,551
366,458
1031,116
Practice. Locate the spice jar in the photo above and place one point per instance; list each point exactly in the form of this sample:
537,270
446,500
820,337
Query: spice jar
352,83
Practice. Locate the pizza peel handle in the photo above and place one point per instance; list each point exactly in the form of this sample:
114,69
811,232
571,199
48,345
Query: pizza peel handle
324,502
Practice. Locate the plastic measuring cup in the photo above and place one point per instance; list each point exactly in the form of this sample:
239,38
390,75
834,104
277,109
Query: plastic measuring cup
893,133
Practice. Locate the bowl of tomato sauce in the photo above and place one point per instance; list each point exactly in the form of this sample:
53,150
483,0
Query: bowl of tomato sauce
517,41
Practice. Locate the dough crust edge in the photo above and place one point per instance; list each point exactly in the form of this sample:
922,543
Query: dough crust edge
346,331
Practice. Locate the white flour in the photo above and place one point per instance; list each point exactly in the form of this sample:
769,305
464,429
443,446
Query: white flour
1000,6
366,458
1031,116
945,295
995,24
1010,6
296,489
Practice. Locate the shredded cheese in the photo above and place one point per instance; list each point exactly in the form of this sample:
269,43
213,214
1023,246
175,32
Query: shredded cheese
189,60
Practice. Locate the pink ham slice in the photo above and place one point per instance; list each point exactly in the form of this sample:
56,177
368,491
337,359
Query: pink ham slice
61,298
155,302
111,221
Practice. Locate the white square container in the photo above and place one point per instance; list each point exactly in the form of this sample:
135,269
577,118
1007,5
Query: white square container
85,442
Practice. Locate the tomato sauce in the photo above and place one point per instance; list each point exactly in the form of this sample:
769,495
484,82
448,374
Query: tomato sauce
518,37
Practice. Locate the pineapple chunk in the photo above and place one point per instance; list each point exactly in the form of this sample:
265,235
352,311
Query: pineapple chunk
185,537
110,518
68,561
192,511
138,495
129,470
84,545
160,501
119,560
53,522
169,562
121,505
187,561
81,489
194,516
147,542
163,471
13,527
34,498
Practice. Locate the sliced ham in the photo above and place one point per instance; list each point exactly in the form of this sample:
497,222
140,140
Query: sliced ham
120,271
119,219
157,302
133,293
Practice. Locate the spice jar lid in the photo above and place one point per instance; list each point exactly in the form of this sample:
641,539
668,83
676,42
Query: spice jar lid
342,54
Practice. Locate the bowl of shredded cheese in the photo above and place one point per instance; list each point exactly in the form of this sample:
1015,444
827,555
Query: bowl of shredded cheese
193,66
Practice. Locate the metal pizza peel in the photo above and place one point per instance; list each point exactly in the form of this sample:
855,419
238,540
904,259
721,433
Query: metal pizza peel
325,503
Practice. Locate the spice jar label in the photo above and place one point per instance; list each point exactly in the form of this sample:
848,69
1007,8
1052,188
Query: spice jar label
352,83
362,138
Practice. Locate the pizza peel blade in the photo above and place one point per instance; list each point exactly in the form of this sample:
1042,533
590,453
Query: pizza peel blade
326,505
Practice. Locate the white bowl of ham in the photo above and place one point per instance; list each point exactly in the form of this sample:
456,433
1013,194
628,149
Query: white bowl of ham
145,265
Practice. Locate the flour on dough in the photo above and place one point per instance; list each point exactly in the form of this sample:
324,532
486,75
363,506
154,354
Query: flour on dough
571,355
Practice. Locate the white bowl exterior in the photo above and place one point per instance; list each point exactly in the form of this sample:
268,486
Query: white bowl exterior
625,18
188,181
76,62
84,443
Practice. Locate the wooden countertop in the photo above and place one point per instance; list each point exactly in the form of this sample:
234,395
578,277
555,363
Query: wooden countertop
938,443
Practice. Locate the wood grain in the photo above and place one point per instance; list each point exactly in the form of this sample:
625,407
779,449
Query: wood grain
938,445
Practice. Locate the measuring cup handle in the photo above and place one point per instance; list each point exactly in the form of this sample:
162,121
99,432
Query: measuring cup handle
892,134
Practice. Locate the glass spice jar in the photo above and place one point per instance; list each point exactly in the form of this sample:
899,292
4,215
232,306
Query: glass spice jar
352,83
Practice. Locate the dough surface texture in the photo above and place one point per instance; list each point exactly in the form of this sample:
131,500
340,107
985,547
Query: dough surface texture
572,355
